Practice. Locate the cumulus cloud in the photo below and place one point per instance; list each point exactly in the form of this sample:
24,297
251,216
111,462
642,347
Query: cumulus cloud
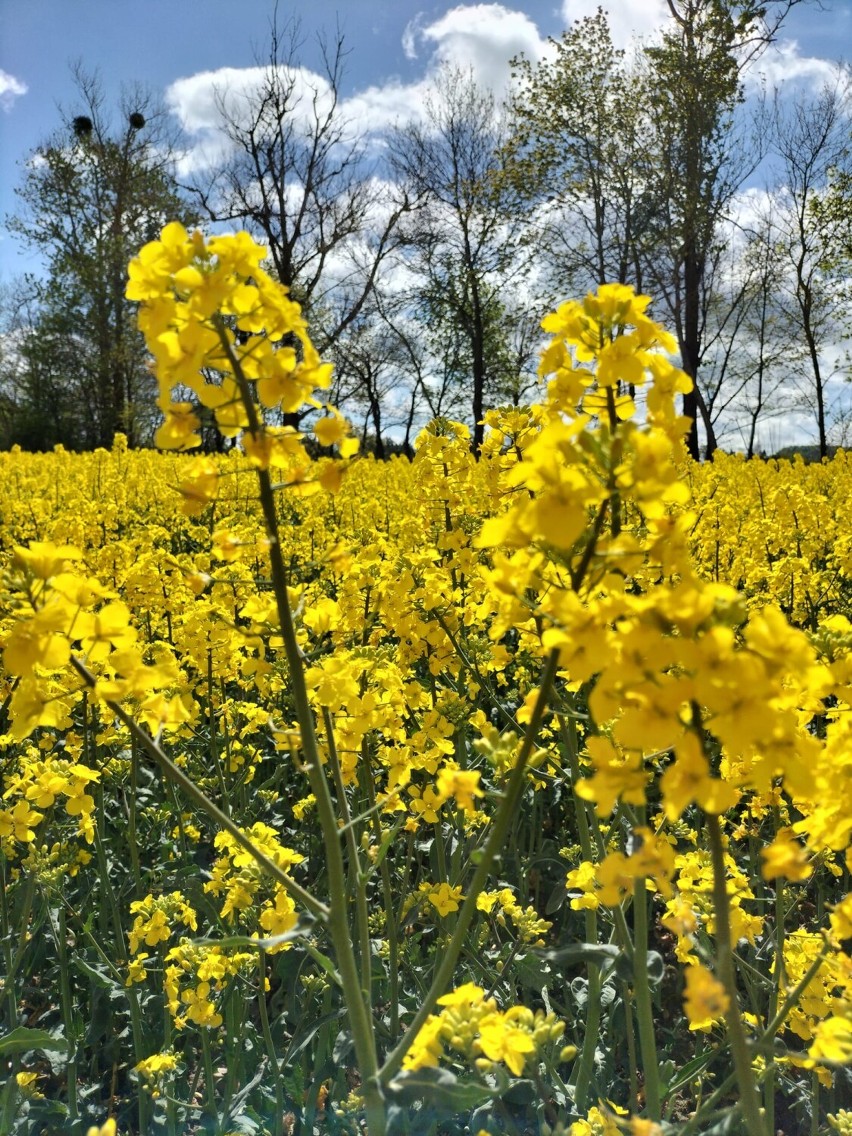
783,63
10,89
483,37
378,108
479,37
627,18
199,101
750,208
195,100
204,152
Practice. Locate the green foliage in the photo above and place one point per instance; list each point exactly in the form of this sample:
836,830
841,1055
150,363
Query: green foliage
576,143
90,197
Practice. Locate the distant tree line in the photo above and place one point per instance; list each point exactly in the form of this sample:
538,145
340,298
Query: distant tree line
425,265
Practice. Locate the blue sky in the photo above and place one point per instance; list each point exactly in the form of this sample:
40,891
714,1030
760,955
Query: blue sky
179,49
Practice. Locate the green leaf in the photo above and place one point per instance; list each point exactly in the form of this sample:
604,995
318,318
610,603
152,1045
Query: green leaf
97,974
303,927
22,1039
680,1077
343,1046
556,899
580,991
656,968
729,1125
440,1088
520,1094
301,1038
583,954
325,962
532,971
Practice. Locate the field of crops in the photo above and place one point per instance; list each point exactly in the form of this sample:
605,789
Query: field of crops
499,795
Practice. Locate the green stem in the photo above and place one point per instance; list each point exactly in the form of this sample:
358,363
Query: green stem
586,1064
774,995
391,923
140,1050
644,1005
474,670
704,1110
590,830
235,1019
23,920
209,1077
814,1104
278,1124
725,969
67,1004
360,1017
132,813
633,1068
216,757
359,876
10,1089
766,1037
793,997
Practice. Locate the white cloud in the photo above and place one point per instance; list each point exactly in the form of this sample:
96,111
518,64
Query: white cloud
483,37
374,110
206,151
409,36
10,89
749,210
627,18
195,99
782,63
199,100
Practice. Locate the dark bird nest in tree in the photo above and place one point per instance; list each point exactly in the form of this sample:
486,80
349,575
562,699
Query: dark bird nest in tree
82,126
136,120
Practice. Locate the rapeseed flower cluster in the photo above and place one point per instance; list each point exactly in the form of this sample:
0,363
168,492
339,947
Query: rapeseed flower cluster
207,307
470,1026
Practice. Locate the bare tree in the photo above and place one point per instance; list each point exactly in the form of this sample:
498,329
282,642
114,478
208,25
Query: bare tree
432,363
724,310
374,379
463,237
750,347
770,348
297,176
639,161
813,144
